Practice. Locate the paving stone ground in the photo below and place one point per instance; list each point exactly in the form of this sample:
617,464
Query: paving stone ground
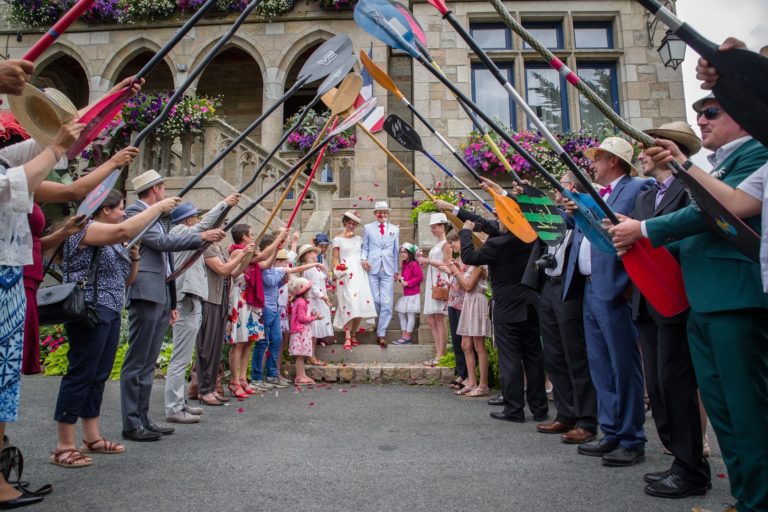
339,448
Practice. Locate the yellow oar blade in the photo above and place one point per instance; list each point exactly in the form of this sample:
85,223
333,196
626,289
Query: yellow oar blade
512,217
379,75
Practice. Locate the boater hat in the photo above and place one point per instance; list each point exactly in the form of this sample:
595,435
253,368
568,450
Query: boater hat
380,206
299,285
282,254
305,249
42,112
351,215
438,218
146,180
615,146
679,132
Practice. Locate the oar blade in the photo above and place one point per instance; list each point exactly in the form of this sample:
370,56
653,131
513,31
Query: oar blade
97,118
93,200
541,212
418,30
336,76
439,5
355,117
512,217
589,220
403,133
657,275
347,93
328,57
378,74
392,29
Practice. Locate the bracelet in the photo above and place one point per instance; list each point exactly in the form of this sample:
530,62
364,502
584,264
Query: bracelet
135,259
55,154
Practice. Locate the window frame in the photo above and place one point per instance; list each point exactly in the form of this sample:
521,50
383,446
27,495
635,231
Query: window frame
509,68
613,67
564,103
557,25
607,25
493,25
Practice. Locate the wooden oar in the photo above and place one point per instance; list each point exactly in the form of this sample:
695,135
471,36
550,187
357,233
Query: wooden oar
720,219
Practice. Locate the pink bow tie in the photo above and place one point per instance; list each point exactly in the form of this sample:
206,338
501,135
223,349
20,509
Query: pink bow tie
605,191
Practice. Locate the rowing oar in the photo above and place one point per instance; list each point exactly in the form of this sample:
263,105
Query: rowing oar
455,221
362,111
644,263
105,110
720,219
742,88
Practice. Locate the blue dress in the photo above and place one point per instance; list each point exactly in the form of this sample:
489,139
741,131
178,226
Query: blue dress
13,306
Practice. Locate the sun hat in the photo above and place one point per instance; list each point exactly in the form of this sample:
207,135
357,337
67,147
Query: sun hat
322,239
350,214
305,249
299,285
183,212
698,104
438,218
282,254
146,180
42,112
679,132
381,206
615,146
409,247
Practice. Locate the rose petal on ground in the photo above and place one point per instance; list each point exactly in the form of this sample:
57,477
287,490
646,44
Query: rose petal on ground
311,404
241,410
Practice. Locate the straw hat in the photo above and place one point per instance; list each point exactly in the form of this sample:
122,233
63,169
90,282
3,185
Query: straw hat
305,249
282,254
438,218
351,215
146,180
679,132
615,146
698,104
42,112
299,285
380,206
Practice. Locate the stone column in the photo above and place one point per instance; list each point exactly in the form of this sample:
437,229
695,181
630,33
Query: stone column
272,127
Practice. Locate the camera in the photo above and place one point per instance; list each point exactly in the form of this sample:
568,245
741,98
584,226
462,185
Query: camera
545,262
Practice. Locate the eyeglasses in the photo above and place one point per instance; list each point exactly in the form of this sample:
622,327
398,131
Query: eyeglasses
709,113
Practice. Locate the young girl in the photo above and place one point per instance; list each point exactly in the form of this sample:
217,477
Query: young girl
455,300
318,297
407,306
301,327
474,326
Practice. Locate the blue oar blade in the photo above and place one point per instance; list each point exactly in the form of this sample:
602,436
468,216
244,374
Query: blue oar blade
391,27
589,220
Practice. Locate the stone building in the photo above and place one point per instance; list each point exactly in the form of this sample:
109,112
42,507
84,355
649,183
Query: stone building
606,41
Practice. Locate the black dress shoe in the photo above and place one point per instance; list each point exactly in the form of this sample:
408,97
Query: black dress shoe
597,449
499,400
502,416
621,457
673,486
166,431
541,417
21,501
141,434
655,477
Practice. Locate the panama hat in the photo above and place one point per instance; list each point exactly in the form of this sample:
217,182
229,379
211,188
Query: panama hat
698,104
305,249
438,218
299,285
42,112
146,180
679,132
381,206
351,215
616,146
183,212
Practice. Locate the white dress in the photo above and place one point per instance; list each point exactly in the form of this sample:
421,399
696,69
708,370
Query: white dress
432,306
353,290
322,327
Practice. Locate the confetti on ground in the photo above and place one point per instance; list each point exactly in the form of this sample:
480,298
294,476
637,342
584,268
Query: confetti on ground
311,404
240,399
353,386
721,475
342,390
241,410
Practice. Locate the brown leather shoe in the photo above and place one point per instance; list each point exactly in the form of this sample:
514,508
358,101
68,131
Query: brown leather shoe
578,436
553,427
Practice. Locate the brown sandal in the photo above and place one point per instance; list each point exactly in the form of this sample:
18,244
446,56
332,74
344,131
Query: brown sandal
73,460
108,447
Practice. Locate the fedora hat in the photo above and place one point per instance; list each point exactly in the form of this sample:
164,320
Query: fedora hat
183,212
438,218
299,285
305,249
42,112
146,180
351,215
698,104
679,132
381,206
616,146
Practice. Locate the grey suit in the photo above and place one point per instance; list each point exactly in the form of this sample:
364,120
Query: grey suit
150,301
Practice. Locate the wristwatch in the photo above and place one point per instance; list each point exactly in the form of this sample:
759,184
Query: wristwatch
687,164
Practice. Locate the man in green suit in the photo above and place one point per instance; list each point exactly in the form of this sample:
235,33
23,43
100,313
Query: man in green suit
728,322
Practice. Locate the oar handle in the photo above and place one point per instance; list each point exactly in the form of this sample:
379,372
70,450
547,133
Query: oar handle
57,29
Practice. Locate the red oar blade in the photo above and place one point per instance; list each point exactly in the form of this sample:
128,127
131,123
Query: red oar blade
97,118
439,5
657,275
92,201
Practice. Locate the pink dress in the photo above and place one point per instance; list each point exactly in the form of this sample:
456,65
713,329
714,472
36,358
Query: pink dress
301,329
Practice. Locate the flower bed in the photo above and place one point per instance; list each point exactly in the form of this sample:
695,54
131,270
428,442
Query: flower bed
304,136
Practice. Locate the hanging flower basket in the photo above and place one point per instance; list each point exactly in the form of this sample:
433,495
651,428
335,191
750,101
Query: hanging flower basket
303,137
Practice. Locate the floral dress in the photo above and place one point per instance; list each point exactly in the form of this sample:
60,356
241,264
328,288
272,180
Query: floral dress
301,329
244,323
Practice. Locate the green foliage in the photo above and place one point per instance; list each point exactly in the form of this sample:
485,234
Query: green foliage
56,362
427,206
119,359
494,381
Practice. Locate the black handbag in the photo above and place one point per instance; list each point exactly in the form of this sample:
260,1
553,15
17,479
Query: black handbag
66,302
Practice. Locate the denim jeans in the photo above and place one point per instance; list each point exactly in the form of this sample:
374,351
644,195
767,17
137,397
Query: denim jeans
272,344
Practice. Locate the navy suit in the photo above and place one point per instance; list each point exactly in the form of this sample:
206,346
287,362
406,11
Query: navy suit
612,350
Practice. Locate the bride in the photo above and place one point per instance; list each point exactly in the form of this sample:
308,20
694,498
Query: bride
353,291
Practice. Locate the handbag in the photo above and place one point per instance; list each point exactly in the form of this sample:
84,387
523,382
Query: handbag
65,302
440,292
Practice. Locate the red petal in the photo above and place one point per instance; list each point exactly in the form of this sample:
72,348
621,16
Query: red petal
333,351
353,386
721,475
343,390
311,404
375,184
241,410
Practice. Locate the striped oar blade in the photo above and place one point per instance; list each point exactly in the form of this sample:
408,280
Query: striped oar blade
540,211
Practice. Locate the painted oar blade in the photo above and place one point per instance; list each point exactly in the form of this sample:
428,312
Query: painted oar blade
403,133
541,212
512,217
326,58
439,5
92,201
337,76
657,275
393,31
418,30
589,220
97,118
378,74
355,117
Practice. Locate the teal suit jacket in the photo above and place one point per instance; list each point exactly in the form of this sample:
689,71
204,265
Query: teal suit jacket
718,277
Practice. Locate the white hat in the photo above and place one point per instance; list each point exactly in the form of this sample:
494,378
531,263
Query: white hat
146,180
698,104
351,215
282,254
381,206
438,218
615,146
299,285
42,112
305,249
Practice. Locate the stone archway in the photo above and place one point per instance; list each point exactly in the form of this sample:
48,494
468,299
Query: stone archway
64,73
306,93
160,79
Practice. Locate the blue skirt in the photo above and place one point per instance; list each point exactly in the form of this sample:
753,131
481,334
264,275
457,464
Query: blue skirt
13,306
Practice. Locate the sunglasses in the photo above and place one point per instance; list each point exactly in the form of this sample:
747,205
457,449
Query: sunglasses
709,113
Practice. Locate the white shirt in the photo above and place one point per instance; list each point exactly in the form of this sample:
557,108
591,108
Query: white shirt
16,203
559,252
757,186
585,249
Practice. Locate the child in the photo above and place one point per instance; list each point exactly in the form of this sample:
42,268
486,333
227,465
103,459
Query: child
407,306
318,297
301,328
455,301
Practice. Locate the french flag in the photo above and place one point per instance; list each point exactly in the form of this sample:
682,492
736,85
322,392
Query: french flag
375,120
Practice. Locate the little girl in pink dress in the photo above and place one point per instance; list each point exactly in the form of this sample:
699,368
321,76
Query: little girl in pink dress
300,345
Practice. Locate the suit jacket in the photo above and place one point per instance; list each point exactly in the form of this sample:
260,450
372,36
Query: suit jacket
150,282
381,251
674,199
507,257
718,277
609,279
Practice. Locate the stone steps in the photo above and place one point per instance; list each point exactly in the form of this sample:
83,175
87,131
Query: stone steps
374,354
414,374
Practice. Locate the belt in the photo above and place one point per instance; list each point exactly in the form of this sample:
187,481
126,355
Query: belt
587,278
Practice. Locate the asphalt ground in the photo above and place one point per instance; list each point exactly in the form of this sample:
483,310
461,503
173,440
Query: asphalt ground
339,448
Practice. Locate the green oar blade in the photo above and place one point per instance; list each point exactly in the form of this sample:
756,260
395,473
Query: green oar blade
540,211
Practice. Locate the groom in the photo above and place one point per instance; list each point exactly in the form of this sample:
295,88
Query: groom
381,242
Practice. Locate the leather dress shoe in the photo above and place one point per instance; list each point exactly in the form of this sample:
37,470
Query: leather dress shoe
674,486
141,434
21,501
598,449
578,435
166,431
501,416
621,457
497,400
553,427
656,476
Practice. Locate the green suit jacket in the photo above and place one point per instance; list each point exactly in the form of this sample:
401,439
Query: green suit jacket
718,277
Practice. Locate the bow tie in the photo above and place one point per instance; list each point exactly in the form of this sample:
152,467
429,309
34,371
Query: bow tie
381,228
605,191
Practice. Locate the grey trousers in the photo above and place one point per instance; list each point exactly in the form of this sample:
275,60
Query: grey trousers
209,343
147,323
185,332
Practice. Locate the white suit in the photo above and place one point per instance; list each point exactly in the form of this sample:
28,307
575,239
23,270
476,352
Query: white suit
381,252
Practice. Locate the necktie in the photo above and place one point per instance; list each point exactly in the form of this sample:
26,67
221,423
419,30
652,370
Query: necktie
605,191
381,228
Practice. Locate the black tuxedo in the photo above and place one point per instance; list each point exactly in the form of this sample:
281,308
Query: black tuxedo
669,376
514,314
